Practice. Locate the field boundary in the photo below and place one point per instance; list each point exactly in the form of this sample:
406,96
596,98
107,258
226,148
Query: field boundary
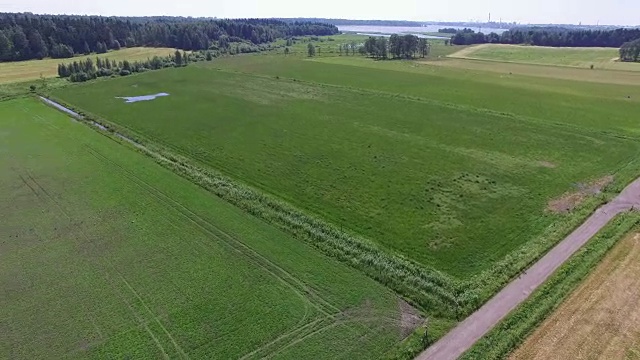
521,322
517,291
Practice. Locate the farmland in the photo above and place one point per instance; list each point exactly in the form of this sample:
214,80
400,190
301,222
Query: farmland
601,58
600,318
34,69
309,190
105,254
354,155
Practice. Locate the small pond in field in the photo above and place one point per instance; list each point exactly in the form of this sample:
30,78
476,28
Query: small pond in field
133,99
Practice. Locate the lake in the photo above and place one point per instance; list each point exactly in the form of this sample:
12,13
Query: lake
416,30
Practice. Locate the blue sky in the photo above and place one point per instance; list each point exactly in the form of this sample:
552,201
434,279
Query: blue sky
615,12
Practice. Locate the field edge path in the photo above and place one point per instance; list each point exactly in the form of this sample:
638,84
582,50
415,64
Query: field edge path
468,332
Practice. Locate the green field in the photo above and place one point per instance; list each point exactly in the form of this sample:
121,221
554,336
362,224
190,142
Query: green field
600,58
105,254
290,197
452,173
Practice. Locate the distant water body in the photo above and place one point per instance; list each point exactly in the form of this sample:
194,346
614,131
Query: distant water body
422,36
416,30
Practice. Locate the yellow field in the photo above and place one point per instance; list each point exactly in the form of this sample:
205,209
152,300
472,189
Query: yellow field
601,319
33,69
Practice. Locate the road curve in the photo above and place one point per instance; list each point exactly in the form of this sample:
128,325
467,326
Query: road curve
463,336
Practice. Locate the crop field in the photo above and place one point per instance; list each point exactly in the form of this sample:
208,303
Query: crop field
600,58
105,254
601,319
450,171
517,71
34,69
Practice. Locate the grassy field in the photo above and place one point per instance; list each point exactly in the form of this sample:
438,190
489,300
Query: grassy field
517,71
105,254
601,319
384,153
33,69
600,58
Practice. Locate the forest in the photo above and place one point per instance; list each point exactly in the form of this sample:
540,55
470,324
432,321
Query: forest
27,36
630,51
551,36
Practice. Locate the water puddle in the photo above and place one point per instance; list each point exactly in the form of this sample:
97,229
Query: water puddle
133,99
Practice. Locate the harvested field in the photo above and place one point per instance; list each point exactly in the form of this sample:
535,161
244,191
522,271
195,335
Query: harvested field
601,319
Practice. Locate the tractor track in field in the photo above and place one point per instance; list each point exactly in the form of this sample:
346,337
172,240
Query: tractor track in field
307,294
462,337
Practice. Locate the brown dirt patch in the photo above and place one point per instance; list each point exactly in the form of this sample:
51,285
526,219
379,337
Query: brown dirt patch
410,318
569,201
601,319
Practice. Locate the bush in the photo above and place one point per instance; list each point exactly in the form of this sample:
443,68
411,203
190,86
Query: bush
80,77
125,72
104,72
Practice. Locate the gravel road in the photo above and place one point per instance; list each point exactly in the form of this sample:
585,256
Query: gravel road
463,336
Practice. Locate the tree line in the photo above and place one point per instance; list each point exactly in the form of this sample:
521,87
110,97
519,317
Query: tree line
85,70
27,36
551,36
397,47
630,51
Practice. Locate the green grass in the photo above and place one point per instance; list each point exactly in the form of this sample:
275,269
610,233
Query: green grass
452,186
105,254
600,58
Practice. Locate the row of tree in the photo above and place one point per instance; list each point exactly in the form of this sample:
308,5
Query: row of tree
84,70
28,36
407,46
551,36
397,46
630,51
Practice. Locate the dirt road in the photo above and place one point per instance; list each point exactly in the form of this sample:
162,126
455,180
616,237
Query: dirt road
463,336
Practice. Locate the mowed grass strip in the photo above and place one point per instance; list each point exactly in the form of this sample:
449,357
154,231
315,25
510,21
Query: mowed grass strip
18,71
104,254
601,58
453,187
600,319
